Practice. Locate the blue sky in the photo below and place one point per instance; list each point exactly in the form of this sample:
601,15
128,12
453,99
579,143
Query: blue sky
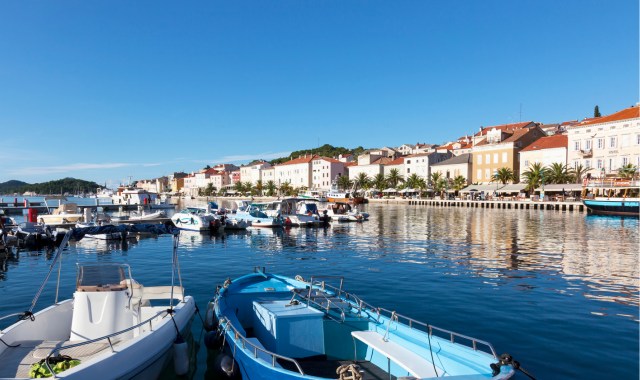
107,90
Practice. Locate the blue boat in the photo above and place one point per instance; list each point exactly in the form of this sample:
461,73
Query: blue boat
276,327
613,196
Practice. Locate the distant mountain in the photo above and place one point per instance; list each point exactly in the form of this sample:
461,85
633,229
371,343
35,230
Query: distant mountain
10,187
60,186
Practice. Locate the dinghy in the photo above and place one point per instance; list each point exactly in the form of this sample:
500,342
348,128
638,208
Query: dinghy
276,327
113,327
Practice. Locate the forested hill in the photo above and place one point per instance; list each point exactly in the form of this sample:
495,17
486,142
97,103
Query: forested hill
60,186
326,151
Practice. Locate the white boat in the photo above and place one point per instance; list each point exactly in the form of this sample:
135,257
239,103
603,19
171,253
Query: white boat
197,219
294,211
612,196
255,215
344,212
66,212
317,195
104,236
134,196
33,234
113,327
148,216
282,328
235,224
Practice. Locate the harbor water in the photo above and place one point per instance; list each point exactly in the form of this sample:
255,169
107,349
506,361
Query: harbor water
559,291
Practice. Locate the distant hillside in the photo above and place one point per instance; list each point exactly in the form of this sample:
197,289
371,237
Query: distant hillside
60,186
326,151
10,186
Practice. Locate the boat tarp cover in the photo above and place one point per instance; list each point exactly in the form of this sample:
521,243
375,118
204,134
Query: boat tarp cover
158,229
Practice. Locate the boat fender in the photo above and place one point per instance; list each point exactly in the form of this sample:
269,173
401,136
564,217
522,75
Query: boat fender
180,356
210,319
506,359
213,339
228,367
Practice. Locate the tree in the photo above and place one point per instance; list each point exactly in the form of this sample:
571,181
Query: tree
259,187
271,188
248,188
559,173
361,182
628,171
379,182
459,183
286,189
344,183
533,176
239,187
503,175
412,181
596,111
394,177
578,172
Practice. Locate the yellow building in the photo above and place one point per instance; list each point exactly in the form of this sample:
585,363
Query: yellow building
499,147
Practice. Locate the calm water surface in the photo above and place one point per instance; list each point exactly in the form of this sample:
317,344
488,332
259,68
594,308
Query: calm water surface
558,291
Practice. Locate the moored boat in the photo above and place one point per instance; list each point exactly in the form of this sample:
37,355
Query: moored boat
343,212
112,327
197,219
255,215
612,196
337,195
276,327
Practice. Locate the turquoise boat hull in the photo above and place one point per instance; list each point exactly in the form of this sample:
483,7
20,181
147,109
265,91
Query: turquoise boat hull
276,327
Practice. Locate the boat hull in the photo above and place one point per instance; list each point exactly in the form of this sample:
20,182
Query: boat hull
613,207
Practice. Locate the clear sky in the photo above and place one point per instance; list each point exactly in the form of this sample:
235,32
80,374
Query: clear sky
107,90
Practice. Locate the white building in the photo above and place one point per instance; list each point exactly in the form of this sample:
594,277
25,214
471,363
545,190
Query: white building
455,166
606,143
296,172
253,172
420,164
325,170
546,151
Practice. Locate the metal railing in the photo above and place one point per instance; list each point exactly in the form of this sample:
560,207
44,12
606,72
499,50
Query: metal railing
359,306
238,336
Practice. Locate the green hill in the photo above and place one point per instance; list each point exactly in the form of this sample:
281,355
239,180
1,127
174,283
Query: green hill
326,151
60,186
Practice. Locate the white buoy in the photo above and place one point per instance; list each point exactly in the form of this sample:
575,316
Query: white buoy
180,356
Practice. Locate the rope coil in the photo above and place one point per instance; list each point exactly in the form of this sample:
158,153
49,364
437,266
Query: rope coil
349,372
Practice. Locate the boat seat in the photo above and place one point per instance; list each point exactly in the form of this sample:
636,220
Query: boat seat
413,363
261,354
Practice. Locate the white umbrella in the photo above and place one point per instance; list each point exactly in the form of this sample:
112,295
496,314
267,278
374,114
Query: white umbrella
389,190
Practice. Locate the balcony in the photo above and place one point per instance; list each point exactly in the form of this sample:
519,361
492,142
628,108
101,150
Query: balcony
586,153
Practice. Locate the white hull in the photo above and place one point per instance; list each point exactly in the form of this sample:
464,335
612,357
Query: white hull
60,218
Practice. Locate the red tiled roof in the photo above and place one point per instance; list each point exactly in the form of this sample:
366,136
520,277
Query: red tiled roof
350,164
628,113
333,160
299,160
548,142
504,128
397,161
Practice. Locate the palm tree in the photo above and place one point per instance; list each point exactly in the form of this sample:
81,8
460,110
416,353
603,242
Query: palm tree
558,173
459,183
628,171
379,182
394,177
579,171
422,185
285,189
533,176
239,187
259,187
434,178
248,187
361,182
344,182
412,181
503,175
439,186
271,188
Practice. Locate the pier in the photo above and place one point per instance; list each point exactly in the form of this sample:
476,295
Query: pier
20,208
567,206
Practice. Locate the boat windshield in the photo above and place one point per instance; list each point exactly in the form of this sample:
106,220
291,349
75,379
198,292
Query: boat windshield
94,277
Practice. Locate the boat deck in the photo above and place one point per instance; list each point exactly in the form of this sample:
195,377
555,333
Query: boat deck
17,361
322,367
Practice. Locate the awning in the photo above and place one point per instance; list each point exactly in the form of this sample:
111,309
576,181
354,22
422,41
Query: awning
389,190
409,190
512,188
558,187
479,188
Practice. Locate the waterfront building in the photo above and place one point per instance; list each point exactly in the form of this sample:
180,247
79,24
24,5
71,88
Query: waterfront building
420,164
407,149
296,172
546,151
156,185
398,164
371,163
176,181
252,172
606,143
325,170
499,147
455,166
202,179
462,146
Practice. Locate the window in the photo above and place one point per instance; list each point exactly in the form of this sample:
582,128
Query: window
638,139
480,156
408,170
526,163
587,145
479,174
612,142
504,157
587,163
625,161
600,143
487,158
495,158
599,166
487,173
576,145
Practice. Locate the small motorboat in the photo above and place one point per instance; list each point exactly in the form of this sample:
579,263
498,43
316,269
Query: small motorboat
343,212
256,216
276,327
105,236
198,219
32,234
235,224
113,327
